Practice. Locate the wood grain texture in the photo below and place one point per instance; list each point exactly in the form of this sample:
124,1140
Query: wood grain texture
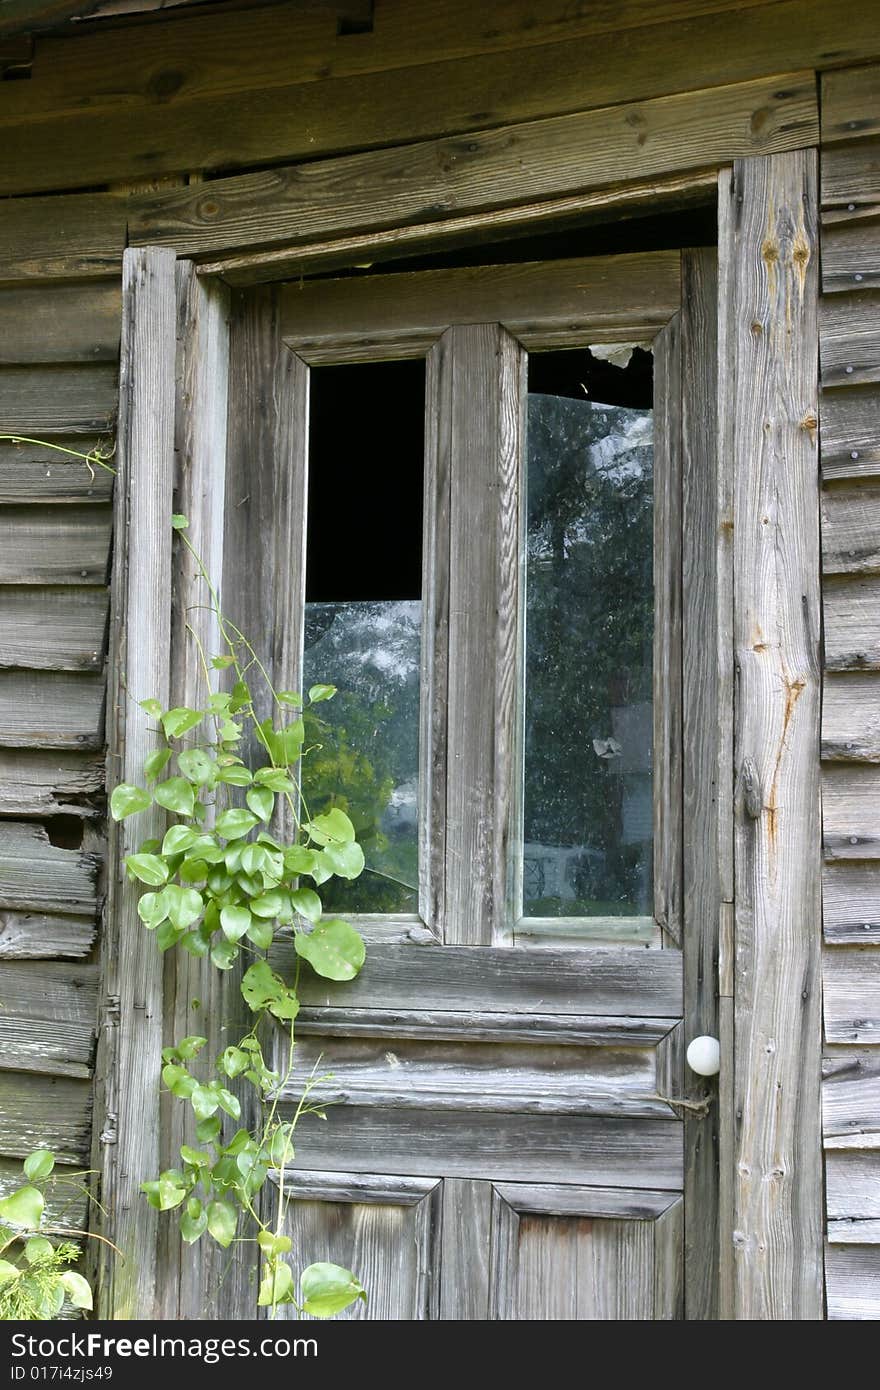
850,534
425,182
51,709
482,1026
45,936
48,1022
850,104
33,472
851,613
39,783
61,323
849,339
466,1208
851,903
66,1201
35,876
852,1189
539,303
78,236
126,1141
851,812
852,1276
52,1112
851,718
851,992
851,175
851,1099
851,249
486,402
667,706
849,432
706,708
67,399
778,1189
56,629
55,545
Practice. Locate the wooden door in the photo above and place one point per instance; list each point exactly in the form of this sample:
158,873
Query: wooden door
509,1131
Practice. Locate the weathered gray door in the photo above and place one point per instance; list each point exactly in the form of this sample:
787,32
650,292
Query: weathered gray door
505,1138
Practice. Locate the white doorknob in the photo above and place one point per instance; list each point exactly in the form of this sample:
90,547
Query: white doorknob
704,1056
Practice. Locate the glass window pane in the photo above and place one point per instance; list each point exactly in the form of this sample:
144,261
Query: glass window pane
589,635
363,620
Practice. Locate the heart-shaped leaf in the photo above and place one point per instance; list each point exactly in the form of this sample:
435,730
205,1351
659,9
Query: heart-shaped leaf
176,795
328,1289
234,823
127,800
334,949
148,868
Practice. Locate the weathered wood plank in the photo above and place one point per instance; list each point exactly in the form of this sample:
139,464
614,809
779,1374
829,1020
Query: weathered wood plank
50,709
425,182
36,472
57,629
849,339
37,783
481,1026
514,1148
48,1020
851,990
52,1112
38,936
777,1256
852,1281
851,812
79,236
617,982
704,710
851,718
72,399
851,175
66,1199
487,401
850,104
851,249
850,436
851,529
403,314
851,1098
131,1018
55,545
36,876
852,1189
851,903
60,323
465,1246
851,612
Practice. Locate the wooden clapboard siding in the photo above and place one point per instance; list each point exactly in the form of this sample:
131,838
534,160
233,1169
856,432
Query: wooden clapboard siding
851,978
848,427
852,622
36,782
44,936
853,1194
75,398
53,629
37,876
850,334
852,1275
851,717
59,323
851,811
851,1098
51,709
851,903
52,1112
55,545
81,236
66,1199
47,1023
42,472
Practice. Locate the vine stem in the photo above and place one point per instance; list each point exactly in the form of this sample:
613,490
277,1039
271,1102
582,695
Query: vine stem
90,459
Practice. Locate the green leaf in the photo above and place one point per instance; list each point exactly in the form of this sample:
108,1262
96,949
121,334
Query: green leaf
191,1046
195,944
197,1158
253,858
233,1061
321,692
268,904
334,949
193,1221
197,766
333,826
347,861
171,1189
151,707
261,933
8,1271
299,860
275,778
179,838
193,871
241,696
77,1289
276,1286
127,800
229,1102
234,823
234,922
149,868
281,1150
262,802
180,523
224,954
307,903
289,697
38,1248
167,935
222,663
204,1102
152,909
39,1164
222,1221
176,795
185,905
178,1080
154,764
208,1130
327,1289
260,985
271,1244
180,721
285,1007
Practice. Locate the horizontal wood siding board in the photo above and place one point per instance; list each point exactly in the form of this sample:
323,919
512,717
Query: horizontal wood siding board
851,529
55,545
49,709
37,876
59,323
66,1196
852,1282
35,472
45,936
851,609
426,182
849,339
513,1148
50,400
479,1025
851,811
607,292
852,1187
45,1112
851,718
35,782
851,251
851,903
850,104
851,175
76,236
53,629
851,984
849,432
589,982
851,1099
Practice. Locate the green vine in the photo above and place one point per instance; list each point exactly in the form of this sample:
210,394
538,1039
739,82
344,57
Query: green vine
36,1281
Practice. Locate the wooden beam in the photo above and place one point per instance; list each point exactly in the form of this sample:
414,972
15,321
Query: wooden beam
126,1144
440,178
772,248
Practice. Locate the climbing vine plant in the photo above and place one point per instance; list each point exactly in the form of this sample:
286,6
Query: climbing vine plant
240,859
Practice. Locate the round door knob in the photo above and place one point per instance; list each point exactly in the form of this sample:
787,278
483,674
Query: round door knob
704,1056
